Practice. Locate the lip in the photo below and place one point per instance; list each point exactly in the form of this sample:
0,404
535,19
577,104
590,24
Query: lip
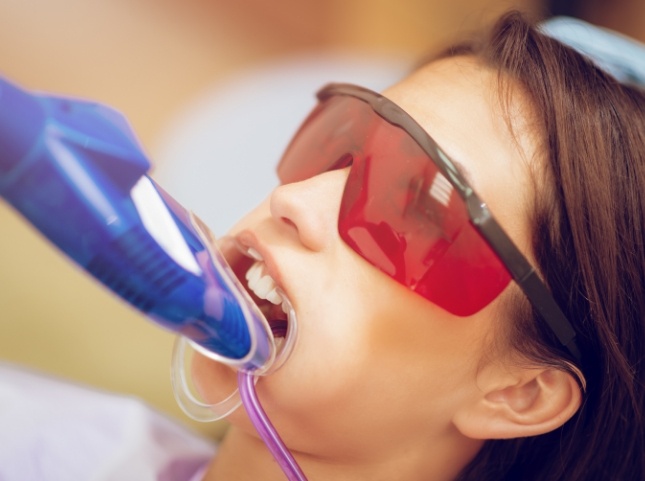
248,240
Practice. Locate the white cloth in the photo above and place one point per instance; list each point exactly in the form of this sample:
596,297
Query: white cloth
56,431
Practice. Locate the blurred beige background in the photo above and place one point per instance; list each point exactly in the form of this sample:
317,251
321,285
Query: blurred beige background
148,58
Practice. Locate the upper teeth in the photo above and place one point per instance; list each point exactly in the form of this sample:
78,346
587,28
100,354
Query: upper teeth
253,253
262,284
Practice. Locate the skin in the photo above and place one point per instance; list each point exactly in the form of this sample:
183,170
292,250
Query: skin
382,384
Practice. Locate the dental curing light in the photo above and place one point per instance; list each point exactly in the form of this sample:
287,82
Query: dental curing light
75,171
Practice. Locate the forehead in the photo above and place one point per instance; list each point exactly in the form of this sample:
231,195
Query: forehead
456,100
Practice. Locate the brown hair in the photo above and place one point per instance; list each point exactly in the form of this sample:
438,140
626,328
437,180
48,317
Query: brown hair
590,248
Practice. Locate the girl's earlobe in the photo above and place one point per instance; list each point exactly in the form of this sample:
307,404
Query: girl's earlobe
519,403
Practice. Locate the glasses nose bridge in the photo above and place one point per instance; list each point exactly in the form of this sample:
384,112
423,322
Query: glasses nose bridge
310,207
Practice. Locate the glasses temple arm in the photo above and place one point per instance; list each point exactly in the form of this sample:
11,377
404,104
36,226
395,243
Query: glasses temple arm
524,275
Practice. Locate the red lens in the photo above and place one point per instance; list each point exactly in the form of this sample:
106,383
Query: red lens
398,211
328,138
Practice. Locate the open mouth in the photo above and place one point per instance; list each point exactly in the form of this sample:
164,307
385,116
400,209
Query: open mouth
252,273
267,295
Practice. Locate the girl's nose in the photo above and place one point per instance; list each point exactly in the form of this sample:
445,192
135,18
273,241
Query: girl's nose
311,207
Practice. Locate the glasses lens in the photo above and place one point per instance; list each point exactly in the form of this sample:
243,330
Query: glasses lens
398,211
328,138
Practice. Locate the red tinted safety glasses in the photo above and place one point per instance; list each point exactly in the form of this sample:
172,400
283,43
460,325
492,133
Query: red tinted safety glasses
408,210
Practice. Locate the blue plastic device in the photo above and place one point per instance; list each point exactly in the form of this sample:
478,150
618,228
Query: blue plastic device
75,170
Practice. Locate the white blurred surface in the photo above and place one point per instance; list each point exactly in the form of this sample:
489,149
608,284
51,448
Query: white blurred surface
218,157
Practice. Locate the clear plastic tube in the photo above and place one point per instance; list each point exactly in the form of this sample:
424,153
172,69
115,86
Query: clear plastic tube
264,427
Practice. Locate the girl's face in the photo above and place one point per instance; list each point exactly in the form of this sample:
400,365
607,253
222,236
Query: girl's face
377,368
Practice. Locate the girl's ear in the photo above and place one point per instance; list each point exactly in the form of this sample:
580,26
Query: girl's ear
518,403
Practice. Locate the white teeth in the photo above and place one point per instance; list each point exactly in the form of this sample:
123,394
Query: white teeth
274,298
254,274
254,254
262,284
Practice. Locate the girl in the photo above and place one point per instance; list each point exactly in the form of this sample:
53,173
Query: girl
466,258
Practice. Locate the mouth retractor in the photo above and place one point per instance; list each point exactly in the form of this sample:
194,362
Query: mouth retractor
281,342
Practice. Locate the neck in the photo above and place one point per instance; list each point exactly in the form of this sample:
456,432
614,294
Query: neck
244,457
